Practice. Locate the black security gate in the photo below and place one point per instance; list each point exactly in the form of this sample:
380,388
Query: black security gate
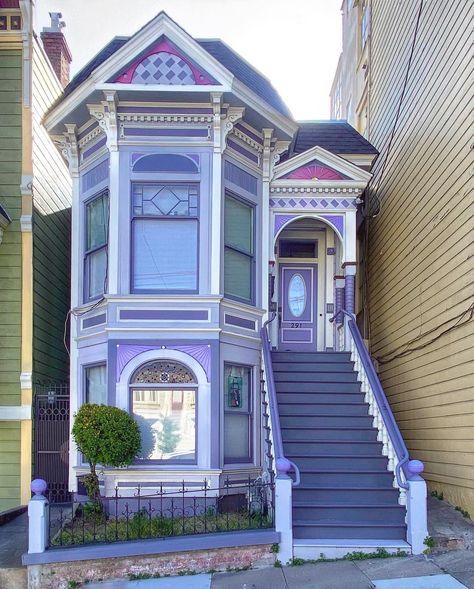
51,439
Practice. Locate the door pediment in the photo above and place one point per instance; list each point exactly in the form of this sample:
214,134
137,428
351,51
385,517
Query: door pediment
318,166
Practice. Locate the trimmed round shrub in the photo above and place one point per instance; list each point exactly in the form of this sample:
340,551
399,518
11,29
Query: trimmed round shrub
105,435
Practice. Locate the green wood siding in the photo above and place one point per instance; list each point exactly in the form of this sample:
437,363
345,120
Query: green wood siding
51,236
10,268
9,464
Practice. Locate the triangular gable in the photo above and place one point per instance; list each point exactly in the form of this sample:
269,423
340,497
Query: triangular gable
163,63
315,170
318,164
185,58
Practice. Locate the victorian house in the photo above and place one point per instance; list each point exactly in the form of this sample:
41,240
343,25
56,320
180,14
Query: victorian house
214,237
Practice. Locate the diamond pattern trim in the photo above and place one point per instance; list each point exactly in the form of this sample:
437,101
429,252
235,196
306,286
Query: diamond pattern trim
164,68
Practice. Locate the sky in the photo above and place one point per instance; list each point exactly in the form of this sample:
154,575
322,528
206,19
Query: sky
294,43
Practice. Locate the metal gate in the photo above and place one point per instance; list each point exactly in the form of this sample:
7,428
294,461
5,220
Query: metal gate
51,439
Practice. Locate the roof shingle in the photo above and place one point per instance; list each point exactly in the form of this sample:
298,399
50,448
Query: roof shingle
335,136
219,50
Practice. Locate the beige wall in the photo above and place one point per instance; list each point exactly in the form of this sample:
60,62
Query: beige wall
421,254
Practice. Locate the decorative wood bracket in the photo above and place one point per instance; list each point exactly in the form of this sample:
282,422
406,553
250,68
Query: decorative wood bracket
223,125
106,115
69,148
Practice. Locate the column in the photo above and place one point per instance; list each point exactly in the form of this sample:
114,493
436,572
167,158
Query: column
339,283
349,296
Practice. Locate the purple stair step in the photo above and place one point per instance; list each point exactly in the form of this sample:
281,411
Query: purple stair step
315,367
307,461
328,434
348,530
319,447
340,377
338,410
393,514
317,387
343,478
297,416
315,357
363,495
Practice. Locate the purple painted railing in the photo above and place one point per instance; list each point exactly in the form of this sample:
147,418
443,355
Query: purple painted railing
282,464
411,468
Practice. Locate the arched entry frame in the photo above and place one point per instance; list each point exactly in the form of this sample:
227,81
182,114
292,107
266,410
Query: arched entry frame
340,248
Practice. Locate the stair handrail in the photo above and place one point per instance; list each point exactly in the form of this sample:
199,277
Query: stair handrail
393,430
282,464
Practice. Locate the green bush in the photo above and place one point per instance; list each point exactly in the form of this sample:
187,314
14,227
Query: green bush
107,436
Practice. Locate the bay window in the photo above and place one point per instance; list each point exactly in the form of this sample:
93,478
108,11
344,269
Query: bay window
165,237
239,240
97,221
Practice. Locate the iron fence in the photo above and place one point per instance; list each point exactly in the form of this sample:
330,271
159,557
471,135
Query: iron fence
181,511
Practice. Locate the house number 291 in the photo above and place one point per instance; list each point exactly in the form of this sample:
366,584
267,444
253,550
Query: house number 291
296,324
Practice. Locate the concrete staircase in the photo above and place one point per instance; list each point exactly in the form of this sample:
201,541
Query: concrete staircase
346,492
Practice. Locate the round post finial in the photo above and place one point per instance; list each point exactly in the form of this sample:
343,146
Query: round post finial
39,486
415,467
283,465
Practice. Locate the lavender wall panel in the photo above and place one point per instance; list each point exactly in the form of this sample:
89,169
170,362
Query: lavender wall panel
240,178
95,176
93,321
94,148
239,149
154,132
239,322
164,315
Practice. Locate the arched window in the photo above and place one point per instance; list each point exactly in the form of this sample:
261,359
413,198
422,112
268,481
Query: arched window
166,162
163,398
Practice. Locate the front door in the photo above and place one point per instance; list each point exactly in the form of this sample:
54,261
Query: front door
298,312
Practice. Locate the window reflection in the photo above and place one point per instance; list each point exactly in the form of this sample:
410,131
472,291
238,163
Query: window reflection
167,421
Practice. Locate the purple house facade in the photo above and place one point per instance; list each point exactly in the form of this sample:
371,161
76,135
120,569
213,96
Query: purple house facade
201,212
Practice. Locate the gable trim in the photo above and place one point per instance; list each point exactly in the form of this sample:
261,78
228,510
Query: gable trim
354,173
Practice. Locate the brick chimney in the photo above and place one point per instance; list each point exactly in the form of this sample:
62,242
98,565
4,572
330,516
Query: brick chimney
56,47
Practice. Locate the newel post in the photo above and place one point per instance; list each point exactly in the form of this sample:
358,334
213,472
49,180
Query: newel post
283,510
38,518
417,518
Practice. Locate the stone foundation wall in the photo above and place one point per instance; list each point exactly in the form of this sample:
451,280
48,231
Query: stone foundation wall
58,576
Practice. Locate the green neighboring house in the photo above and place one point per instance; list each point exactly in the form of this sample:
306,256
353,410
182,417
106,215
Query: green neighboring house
34,244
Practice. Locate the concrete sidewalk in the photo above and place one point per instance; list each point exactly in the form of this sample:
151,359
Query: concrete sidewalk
454,570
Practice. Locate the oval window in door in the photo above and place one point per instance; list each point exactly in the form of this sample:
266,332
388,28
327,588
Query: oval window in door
297,295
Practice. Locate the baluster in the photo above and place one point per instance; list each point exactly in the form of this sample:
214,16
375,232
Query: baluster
384,441
391,456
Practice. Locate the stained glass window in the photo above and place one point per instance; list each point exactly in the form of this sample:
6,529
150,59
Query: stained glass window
163,372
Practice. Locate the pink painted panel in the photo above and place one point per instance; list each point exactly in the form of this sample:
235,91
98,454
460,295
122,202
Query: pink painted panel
315,171
200,76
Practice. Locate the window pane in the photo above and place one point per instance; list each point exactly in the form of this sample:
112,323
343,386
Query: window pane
238,225
236,437
96,380
165,200
237,274
237,413
237,388
97,268
166,419
97,214
165,255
